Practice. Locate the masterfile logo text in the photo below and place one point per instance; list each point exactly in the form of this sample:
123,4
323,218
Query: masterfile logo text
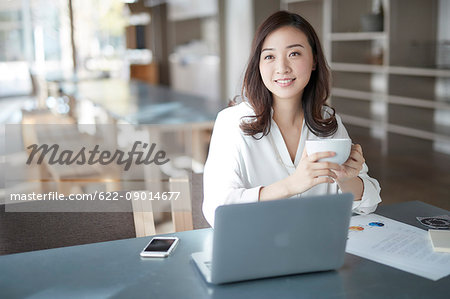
83,156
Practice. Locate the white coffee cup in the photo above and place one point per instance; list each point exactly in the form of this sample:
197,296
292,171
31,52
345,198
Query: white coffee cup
341,147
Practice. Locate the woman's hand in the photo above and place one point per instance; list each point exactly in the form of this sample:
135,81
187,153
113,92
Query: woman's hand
351,168
311,172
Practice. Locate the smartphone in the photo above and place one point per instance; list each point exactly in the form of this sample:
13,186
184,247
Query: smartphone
160,247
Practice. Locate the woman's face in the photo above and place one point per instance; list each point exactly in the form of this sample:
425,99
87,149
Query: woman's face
286,63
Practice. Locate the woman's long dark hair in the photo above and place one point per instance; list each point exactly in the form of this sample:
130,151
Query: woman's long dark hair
315,93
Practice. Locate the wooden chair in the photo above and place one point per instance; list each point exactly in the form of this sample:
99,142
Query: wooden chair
43,127
187,210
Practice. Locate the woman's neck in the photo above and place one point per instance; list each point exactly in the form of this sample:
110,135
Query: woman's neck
287,113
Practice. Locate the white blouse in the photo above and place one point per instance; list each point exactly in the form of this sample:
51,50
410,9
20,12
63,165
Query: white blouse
239,165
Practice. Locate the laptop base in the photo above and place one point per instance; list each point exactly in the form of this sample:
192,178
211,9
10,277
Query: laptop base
203,262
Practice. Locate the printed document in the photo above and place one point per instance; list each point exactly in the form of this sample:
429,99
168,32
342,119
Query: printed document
396,244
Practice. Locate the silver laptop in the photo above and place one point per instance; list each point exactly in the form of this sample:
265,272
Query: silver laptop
279,237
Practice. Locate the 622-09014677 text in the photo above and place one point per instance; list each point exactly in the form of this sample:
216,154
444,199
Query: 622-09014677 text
141,195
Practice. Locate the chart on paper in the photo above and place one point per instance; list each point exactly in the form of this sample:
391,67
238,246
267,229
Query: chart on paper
396,244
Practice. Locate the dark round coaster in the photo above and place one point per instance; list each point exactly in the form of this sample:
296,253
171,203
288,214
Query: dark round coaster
436,222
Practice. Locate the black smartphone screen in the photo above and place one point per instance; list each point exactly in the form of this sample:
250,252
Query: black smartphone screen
159,245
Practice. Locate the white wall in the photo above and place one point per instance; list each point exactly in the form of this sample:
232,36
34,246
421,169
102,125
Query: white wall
239,35
442,117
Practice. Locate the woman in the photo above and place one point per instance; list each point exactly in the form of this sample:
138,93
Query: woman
257,147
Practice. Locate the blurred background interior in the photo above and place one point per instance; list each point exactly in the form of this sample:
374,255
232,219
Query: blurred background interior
176,63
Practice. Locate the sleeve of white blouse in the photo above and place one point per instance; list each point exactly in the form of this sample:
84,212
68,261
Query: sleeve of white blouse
371,194
222,180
